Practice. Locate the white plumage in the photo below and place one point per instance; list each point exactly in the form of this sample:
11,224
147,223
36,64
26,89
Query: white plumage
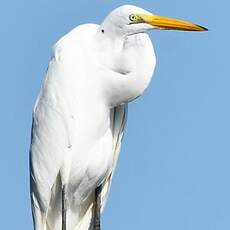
80,114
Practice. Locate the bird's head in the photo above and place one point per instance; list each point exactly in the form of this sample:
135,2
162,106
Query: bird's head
127,20
126,51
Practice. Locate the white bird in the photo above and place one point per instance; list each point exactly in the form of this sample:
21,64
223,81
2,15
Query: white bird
80,114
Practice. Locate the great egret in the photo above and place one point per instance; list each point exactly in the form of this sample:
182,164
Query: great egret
80,114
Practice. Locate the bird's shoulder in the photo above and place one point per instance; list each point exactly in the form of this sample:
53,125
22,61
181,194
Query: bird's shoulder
77,37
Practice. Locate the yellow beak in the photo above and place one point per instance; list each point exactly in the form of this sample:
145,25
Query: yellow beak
165,23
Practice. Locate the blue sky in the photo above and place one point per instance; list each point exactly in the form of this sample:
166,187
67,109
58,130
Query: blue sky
174,169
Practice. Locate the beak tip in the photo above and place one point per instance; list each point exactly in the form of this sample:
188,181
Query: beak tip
202,28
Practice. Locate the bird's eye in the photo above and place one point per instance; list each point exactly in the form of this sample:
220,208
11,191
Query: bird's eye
133,17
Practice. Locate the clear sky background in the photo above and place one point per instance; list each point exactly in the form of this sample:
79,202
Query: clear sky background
174,169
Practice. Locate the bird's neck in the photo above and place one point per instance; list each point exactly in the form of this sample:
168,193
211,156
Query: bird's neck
127,65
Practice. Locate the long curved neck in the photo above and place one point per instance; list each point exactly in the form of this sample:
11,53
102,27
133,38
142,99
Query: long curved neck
127,65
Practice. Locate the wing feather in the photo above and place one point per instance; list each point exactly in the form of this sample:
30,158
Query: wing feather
50,140
118,118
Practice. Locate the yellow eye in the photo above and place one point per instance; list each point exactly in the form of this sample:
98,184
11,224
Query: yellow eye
133,17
